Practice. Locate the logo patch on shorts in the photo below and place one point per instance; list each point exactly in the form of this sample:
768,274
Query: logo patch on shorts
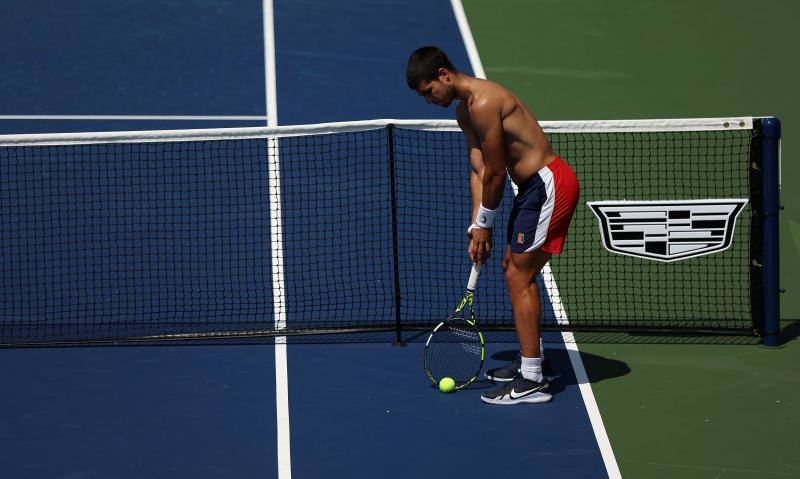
520,238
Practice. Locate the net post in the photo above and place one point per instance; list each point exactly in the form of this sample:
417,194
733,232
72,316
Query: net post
398,340
771,139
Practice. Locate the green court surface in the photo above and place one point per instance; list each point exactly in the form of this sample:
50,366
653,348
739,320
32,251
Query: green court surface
707,410
700,411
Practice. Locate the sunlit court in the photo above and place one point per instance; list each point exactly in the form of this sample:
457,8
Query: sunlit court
246,240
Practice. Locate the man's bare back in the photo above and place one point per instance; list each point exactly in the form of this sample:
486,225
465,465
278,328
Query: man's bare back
526,147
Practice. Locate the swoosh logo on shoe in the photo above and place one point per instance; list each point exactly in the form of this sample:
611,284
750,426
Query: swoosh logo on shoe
516,395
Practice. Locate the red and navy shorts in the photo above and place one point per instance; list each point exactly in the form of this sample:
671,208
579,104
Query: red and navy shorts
543,209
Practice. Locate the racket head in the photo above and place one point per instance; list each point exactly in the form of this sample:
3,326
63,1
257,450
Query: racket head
455,349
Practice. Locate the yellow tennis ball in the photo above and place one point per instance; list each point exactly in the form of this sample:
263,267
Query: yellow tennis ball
447,385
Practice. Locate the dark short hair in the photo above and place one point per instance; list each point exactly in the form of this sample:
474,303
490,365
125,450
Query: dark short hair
424,65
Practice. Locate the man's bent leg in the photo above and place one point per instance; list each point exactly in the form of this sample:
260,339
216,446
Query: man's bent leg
521,280
531,386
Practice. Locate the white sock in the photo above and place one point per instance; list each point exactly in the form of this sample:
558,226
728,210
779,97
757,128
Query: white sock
532,369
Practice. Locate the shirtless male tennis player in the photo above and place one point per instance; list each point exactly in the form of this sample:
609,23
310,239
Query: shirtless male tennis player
503,137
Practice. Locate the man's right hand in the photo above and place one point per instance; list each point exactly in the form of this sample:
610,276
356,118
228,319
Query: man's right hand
480,247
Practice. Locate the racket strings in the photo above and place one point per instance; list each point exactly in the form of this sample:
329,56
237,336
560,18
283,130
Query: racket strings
455,351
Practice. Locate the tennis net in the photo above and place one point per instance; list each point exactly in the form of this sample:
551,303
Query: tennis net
351,227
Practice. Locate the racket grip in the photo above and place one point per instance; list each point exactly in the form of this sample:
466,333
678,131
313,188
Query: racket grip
473,277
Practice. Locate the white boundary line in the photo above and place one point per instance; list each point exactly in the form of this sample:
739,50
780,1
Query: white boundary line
585,387
603,442
469,41
138,117
270,75
276,240
612,469
611,126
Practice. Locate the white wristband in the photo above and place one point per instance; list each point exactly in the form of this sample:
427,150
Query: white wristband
485,217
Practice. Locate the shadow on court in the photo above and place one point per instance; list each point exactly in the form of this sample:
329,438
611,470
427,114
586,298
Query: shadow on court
604,337
790,330
559,368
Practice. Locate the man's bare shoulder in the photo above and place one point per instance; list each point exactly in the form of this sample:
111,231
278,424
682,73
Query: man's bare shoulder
486,109
487,97
489,89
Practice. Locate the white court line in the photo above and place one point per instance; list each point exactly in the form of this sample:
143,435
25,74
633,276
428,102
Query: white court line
276,240
270,75
469,41
585,387
603,442
612,469
138,117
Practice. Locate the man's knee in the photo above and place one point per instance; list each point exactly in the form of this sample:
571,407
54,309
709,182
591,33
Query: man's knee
517,279
523,268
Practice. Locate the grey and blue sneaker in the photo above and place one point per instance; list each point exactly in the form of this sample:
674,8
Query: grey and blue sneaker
518,391
505,373
511,370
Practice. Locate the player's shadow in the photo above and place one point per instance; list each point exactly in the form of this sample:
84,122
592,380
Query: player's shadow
480,383
789,332
560,370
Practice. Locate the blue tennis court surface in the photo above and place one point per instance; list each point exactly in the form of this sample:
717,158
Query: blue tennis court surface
138,412
354,409
367,406
177,57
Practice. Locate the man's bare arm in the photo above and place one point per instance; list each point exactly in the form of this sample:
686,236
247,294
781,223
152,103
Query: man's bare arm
487,121
475,161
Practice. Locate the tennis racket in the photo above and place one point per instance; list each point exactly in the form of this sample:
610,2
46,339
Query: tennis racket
456,348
